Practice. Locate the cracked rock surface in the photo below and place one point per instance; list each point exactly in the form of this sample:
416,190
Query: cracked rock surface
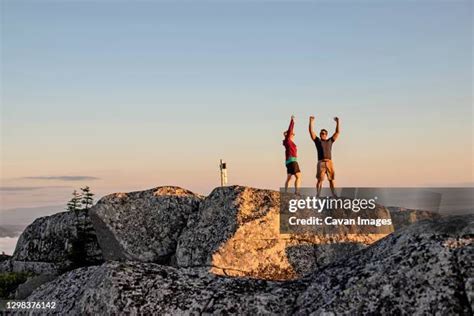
426,268
147,288
50,244
143,225
170,251
236,232
423,269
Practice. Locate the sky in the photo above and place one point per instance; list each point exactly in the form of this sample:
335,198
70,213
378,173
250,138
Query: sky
130,95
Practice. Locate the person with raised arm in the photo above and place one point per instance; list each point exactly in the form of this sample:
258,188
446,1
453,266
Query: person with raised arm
292,167
324,148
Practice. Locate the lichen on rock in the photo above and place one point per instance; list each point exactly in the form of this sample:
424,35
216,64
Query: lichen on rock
143,225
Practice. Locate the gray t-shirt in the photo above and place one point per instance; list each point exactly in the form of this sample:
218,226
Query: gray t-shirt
324,147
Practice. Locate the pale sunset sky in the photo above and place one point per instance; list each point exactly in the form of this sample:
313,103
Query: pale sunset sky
129,95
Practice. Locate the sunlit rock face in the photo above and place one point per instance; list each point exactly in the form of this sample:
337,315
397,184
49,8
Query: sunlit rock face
236,233
143,225
402,217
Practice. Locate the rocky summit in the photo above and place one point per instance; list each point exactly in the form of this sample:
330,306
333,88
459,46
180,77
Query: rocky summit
424,269
169,251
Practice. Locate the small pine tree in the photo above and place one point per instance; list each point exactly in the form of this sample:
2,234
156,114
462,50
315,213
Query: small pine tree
78,252
74,203
87,197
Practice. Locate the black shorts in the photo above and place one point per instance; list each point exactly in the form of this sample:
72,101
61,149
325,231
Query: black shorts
292,168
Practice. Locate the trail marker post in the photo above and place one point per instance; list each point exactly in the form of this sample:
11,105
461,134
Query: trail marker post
223,169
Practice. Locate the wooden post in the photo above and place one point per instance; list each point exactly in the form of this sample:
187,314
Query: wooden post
223,169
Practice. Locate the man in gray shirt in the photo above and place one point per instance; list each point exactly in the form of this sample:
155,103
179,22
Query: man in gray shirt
324,148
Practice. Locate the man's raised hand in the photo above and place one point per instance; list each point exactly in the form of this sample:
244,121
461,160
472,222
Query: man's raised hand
310,127
336,134
292,117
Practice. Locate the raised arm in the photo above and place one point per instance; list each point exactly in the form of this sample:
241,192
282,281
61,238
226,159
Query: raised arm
310,128
290,128
336,134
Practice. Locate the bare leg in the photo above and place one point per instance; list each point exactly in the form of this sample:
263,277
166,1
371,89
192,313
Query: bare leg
319,186
288,178
333,188
297,182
